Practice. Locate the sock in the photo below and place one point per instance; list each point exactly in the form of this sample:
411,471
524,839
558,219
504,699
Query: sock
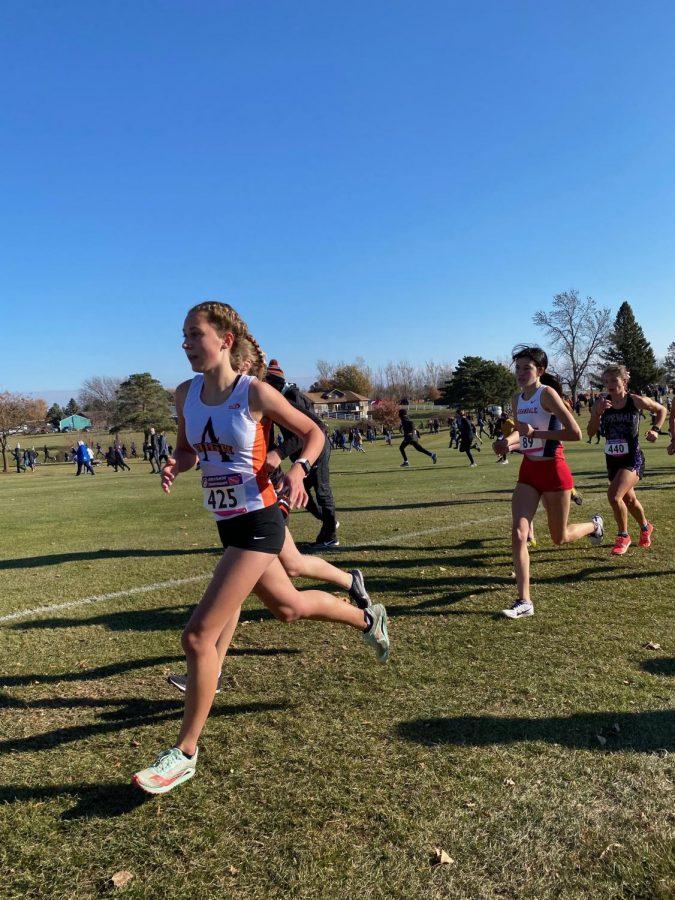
368,619
623,534
644,527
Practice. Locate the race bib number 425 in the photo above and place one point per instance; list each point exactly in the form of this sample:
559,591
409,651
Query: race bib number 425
616,448
224,495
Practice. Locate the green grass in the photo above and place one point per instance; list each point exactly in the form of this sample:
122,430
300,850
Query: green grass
322,774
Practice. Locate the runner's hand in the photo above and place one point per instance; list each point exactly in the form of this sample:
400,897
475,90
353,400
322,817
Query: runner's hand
501,447
272,461
294,487
524,429
602,404
651,436
671,448
169,473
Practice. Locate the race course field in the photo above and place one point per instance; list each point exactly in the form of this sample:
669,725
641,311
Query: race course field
537,753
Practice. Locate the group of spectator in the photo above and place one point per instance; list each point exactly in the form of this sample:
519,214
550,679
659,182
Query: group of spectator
24,458
156,451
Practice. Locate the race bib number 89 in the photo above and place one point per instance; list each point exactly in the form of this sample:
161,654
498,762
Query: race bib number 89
224,495
616,448
531,446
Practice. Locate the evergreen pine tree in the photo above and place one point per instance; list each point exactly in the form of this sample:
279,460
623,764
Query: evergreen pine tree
669,363
142,402
54,415
628,346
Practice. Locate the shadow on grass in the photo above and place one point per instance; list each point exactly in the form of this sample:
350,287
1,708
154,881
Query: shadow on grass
94,801
663,665
453,587
163,618
108,671
129,713
645,732
55,559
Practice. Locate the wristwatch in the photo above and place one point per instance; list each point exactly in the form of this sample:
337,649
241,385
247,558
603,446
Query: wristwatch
306,466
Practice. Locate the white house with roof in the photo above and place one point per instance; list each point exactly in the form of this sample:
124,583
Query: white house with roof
337,404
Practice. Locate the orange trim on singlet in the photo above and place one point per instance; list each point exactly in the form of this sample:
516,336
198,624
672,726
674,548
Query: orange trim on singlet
258,456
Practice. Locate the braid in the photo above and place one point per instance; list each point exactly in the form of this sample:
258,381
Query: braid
245,348
256,356
248,357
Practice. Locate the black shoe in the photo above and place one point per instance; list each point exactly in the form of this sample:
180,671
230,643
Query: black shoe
358,591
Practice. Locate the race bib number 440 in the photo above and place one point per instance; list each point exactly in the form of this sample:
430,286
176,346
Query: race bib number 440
616,448
224,495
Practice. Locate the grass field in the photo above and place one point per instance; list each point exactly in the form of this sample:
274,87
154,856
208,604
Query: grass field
537,753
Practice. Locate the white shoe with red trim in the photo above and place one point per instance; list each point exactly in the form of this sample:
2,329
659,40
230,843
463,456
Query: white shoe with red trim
170,769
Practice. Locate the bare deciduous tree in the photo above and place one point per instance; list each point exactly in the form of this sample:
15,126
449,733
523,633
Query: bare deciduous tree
15,412
578,330
98,398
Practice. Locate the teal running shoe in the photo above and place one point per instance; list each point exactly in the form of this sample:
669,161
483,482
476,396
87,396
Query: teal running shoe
170,769
377,636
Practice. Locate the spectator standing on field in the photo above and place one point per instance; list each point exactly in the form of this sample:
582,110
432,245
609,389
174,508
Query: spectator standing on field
17,453
152,444
162,449
83,459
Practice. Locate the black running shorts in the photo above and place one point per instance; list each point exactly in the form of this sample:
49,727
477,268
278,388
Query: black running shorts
263,530
634,463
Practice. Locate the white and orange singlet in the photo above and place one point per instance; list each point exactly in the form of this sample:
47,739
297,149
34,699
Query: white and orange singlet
232,448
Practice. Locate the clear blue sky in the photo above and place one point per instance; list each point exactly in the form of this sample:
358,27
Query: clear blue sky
387,179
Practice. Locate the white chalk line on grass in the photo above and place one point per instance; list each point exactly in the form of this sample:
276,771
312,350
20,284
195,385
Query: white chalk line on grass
179,582
141,589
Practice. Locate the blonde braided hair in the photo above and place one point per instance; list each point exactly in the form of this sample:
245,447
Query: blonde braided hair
245,351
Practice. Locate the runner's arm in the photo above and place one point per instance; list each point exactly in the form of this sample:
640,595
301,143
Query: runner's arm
508,442
653,407
268,402
184,456
553,403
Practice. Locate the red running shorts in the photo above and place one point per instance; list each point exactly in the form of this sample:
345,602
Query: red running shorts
546,476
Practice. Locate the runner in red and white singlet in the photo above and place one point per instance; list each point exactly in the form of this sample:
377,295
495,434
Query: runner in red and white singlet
543,421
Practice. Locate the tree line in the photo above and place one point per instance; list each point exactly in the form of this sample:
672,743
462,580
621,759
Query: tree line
581,338
135,403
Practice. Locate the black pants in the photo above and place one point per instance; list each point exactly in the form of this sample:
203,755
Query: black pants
409,442
86,466
153,462
322,504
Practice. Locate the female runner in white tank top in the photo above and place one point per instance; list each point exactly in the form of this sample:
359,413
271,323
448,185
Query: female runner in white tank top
290,606
223,420
542,423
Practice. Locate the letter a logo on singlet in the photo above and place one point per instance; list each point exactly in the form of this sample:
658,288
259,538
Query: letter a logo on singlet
209,440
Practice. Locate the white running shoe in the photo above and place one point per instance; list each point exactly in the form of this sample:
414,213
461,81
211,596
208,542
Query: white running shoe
473,465
170,769
599,533
377,635
519,609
